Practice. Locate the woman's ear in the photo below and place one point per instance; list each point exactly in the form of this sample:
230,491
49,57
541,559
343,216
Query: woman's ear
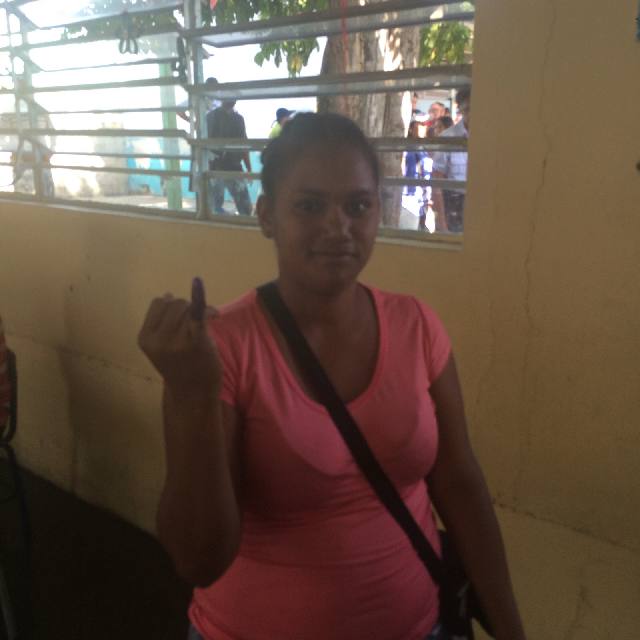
264,212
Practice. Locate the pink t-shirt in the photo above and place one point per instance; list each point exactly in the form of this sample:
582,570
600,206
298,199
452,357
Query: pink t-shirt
320,557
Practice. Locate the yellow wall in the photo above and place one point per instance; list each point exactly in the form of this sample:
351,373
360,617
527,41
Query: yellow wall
542,303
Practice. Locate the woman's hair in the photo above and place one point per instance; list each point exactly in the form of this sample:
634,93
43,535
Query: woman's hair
306,130
463,95
445,121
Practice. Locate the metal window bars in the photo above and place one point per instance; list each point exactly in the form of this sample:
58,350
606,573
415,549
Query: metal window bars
70,12
387,15
34,31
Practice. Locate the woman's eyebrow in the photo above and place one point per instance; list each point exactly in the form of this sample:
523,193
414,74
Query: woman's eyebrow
310,191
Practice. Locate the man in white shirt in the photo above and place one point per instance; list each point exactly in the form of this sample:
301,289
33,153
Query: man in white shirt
449,203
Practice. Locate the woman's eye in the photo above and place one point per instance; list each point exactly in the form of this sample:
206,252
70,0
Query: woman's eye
309,205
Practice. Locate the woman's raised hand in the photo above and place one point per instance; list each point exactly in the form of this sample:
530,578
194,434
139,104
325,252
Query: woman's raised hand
174,337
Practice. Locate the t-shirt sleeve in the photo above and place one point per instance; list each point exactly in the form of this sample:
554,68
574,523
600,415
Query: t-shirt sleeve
229,361
437,345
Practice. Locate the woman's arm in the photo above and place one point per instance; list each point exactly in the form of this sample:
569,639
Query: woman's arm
460,495
198,516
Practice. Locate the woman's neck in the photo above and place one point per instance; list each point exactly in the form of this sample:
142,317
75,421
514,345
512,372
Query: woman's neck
331,310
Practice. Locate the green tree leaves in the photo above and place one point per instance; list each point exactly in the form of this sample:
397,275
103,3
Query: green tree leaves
295,53
445,43
440,43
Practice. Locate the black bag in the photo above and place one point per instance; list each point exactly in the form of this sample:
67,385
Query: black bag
458,601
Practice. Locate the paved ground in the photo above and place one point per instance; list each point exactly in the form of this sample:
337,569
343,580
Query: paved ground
92,576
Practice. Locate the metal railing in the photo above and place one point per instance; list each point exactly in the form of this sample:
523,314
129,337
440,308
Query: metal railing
387,15
179,157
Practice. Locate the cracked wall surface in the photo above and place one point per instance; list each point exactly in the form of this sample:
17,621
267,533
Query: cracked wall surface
553,234
542,302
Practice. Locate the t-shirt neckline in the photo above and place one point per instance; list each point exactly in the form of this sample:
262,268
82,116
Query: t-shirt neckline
265,329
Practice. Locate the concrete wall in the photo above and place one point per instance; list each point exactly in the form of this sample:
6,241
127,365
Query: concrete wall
542,302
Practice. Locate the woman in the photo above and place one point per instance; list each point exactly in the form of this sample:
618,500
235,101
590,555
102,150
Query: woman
441,125
416,165
263,508
413,160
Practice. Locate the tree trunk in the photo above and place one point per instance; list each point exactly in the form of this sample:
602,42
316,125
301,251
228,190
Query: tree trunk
378,114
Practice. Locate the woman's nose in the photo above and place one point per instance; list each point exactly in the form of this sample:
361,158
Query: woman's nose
337,219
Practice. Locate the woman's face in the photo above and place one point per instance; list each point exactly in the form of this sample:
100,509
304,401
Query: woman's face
323,218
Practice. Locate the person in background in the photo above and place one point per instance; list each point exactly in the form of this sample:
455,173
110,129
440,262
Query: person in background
442,124
282,117
416,114
183,113
413,160
435,111
263,509
449,203
226,122
210,103
415,198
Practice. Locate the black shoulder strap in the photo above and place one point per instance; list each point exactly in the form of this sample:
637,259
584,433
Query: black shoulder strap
316,377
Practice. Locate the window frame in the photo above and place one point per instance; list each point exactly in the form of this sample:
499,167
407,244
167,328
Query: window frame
326,23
